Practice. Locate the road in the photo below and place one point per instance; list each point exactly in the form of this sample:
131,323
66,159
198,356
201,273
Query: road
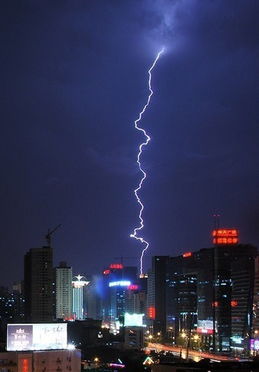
193,354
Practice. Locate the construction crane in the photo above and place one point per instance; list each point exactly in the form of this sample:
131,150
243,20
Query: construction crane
50,232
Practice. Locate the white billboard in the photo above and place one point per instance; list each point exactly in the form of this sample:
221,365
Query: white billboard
206,326
133,320
39,336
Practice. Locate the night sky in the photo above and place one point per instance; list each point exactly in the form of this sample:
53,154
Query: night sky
74,78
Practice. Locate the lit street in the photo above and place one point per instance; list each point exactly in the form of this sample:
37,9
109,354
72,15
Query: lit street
195,355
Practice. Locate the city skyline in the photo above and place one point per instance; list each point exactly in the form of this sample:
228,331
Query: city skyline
74,79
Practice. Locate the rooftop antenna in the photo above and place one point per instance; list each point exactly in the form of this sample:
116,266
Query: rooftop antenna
50,232
216,220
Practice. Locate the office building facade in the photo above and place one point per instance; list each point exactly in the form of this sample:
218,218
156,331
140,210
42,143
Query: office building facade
39,285
63,291
78,283
210,292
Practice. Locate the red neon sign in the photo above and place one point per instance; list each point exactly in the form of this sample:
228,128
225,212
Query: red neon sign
116,266
106,272
151,312
225,236
133,287
206,331
187,254
25,365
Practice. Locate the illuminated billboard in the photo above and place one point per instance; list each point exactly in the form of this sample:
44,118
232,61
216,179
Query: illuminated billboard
225,236
120,283
133,320
254,344
151,312
36,336
205,327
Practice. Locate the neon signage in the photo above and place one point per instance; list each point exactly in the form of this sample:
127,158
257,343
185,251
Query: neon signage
116,266
25,365
187,254
225,236
120,283
151,312
133,287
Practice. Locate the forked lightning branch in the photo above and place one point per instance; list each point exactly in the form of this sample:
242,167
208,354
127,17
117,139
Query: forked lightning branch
147,138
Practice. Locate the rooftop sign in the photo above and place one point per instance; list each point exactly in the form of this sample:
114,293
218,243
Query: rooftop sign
225,236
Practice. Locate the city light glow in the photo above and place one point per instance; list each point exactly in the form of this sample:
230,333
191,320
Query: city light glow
71,347
133,320
133,287
79,281
187,254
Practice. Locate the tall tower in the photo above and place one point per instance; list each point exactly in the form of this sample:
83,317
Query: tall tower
38,285
78,283
63,291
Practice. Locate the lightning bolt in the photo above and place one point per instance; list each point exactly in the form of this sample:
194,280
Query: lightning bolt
137,126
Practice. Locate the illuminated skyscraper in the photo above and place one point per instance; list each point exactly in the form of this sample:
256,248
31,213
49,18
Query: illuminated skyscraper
63,291
118,280
78,283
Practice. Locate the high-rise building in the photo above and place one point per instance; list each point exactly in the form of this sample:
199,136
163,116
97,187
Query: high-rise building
242,296
210,292
118,281
63,291
255,321
39,285
181,294
78,282
93,298
156,296
11,309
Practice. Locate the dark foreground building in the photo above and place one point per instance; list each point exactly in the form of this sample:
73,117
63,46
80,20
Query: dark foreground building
39,285
210,293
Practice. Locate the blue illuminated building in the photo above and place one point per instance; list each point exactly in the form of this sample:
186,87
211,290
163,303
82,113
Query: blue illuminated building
117,281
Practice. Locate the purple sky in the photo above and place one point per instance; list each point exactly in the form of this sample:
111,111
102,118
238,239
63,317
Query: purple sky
73,81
